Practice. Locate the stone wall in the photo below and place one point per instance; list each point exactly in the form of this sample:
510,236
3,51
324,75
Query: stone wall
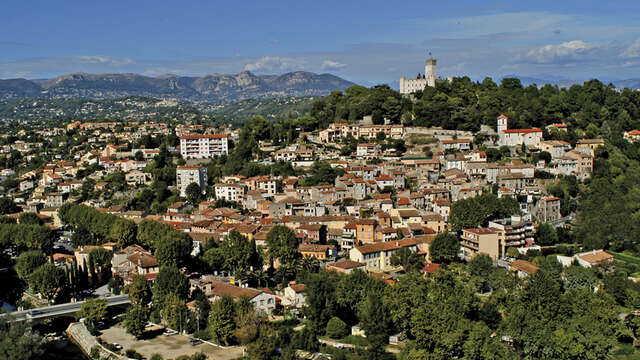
81,336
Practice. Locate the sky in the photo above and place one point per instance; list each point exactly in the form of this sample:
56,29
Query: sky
368,42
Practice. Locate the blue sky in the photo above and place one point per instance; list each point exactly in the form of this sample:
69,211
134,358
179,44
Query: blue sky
367,42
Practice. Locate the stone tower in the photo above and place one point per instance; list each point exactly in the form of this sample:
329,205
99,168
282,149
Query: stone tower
430,71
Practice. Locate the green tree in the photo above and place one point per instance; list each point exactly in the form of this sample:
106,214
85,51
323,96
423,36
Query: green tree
28,261
546,234
29,218
336,328
444,248
7,206
170,280
409,260
135,320
193,193
175,312
375,322
18,341
139,291
47,280
282,244
93,310
221,319
173,249
123,232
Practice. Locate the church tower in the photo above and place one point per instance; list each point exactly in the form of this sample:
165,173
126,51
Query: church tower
430,71
502,123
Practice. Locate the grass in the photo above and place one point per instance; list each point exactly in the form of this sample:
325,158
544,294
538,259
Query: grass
625,352
626,258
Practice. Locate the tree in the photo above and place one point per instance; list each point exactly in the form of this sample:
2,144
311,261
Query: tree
481,267
28,261
135,320
18,341
221,319
93,310
139,291
175,312
29,218
47,280
193,193
409,260
170,280
123,232
282,244
336,328
444,248
173,249
546,234
7,206
375,323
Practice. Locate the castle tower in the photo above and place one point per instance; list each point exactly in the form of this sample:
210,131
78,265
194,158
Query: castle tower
430,71
502,123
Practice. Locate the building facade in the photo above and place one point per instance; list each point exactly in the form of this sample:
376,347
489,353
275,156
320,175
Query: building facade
203,146
186,174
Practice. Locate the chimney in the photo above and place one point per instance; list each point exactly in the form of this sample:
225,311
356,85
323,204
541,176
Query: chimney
397,243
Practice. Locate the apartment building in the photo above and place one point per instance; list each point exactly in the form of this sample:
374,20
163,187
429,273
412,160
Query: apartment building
187,174
203,146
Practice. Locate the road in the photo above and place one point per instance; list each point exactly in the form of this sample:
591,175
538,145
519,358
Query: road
63,309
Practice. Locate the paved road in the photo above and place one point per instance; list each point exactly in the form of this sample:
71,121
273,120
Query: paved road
63,309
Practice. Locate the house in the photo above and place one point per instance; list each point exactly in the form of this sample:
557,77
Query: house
523,268
230,192
557,127
264,302
367,150
365,230
320,252
457,144
548,209
516,137
294,296
594,258
137,177
589,146
377,256
557,148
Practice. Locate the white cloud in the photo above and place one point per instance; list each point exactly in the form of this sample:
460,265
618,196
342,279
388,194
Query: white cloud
633,51
275,63
100,59
565,52
332,65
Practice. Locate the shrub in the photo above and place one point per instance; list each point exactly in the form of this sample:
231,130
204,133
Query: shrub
336,328
94,353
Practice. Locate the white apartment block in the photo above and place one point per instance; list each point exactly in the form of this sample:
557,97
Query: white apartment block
230,192
203,146
186,174
368,150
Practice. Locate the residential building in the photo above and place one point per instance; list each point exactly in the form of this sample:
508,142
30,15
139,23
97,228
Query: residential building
203,146
188,174
480,241
367,150
377,257
230,192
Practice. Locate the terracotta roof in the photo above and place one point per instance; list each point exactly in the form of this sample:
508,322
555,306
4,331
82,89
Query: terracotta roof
206,136
314,247
480,231
525,131
143,260
524,266
223,289
385,246
189,167
595,256
298,288
346,264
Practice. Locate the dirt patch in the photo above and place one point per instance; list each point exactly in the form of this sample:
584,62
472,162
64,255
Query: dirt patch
170,347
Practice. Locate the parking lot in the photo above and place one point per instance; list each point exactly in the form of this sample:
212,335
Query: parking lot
170,347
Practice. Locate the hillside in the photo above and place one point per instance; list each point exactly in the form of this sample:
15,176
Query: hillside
214,88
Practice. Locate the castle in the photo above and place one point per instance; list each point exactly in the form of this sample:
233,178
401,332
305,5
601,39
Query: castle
408,86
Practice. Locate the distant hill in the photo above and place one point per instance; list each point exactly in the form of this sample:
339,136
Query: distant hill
214,88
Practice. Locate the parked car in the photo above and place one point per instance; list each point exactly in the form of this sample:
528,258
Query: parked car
195,342
170,332
117,346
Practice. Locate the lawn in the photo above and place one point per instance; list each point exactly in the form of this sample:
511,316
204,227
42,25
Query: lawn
626,258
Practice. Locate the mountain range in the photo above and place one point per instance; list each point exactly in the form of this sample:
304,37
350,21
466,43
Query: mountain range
214,88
